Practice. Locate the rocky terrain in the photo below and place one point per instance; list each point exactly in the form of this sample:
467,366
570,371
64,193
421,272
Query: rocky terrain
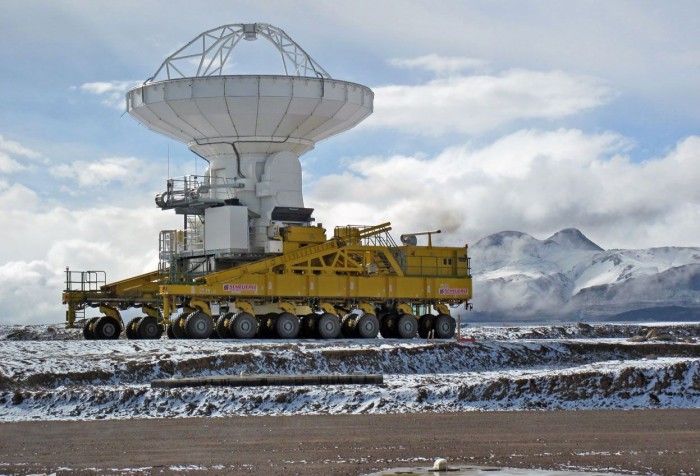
46,372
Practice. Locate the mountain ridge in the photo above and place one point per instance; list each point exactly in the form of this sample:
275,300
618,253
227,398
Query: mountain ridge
574,238
568,276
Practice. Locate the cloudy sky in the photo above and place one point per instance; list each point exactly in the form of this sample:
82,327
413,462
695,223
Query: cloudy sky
489,115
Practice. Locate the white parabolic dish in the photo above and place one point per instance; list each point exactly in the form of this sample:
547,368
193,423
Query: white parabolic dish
260,114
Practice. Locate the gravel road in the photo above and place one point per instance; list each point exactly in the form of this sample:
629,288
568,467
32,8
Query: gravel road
644,442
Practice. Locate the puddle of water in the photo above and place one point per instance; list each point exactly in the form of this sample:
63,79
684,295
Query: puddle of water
482,470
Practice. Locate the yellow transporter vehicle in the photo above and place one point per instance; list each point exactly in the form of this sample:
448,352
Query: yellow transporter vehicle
360,274
356,284
249,261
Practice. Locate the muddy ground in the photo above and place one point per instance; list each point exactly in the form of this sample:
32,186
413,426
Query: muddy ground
634,442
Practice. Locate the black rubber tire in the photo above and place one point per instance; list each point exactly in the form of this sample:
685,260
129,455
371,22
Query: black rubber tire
178,326
307,326
407,327
367,326
88,328
445,326
221,325
169,329
328,326
389,326
243,326
131,326
107,328
287,326
96,334
426,324
148,328
199,325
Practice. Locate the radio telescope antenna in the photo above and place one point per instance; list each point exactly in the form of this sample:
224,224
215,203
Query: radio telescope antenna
250,128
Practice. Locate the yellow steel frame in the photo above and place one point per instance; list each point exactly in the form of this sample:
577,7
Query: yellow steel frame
334,272
291,287
142,289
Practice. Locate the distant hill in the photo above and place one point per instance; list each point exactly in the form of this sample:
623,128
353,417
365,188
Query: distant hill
568,276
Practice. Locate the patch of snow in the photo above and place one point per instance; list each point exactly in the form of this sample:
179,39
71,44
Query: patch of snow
509,368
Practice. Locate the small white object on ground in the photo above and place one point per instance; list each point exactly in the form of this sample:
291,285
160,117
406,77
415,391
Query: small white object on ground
440,464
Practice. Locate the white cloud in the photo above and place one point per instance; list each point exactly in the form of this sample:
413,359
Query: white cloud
480,103
532,181
42,238
112,92
10,148
16,148
30,292
440,64
17,197
8,165
102,172
41,243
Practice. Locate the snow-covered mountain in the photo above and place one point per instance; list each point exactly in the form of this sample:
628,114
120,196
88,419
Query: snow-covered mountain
568,276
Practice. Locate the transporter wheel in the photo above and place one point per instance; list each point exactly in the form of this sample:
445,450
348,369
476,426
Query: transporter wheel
199,325
445,326
389,326
177,326
407,327
307,326
148,328
221,325
88,328
243,326
367,326
107,328
328,326
426,323
130,330
287,326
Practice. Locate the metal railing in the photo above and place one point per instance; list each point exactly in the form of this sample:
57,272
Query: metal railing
377,235
85,280
196,189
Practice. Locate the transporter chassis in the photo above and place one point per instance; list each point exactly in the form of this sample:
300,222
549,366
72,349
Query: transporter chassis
357,284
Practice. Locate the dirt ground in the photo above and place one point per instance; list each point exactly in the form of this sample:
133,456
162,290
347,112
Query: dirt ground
647,441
